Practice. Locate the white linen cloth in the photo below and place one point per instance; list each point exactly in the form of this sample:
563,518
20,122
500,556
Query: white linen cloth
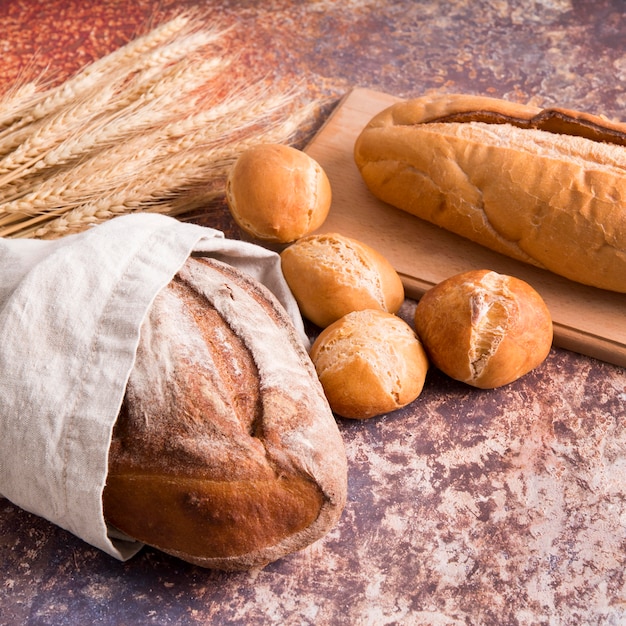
70,314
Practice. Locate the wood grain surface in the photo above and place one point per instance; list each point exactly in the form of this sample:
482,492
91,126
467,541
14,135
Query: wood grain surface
586,320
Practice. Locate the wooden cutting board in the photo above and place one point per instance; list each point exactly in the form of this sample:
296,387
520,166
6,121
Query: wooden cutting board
586,320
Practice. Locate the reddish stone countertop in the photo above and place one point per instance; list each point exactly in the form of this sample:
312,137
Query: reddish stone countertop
467,507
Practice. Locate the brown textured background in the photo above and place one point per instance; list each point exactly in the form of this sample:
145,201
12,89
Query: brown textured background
467,507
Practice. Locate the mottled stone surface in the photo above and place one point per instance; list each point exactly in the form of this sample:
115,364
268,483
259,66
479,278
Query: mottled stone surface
467,507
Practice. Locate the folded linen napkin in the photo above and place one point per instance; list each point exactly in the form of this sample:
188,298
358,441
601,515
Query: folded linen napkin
70,314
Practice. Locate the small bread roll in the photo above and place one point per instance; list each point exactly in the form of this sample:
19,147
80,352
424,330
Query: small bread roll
277,194
331,276
369,362
484,328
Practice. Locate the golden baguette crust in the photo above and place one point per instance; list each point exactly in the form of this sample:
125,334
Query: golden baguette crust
226,453
547,187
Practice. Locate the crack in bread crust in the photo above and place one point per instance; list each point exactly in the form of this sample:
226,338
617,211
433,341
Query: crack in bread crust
557,121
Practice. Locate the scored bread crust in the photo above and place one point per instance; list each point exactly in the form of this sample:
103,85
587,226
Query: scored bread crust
483,328
226,453
331,275
546,187
369,362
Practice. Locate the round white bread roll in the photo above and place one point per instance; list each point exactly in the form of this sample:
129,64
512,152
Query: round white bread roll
484,328
369,363
331,275
277,193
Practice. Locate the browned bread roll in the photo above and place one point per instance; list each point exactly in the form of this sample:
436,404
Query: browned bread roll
331,275
547,187
277,194
226,453
369,362
483,328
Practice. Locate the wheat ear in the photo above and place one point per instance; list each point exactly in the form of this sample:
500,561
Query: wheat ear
106,167
47,148
147,72
158,194
154,126
91,75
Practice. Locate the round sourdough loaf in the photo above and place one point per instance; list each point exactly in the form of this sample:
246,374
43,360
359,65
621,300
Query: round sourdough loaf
277,193
369,362
331,275
484,328
226,453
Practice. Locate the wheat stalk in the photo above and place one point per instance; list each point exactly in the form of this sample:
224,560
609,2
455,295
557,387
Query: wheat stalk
152,127
16,99
94,176
146,163
179,171
46,147
149,74
91,75
171,176
48,134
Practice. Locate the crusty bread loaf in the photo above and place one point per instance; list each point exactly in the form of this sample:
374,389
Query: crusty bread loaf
369,362
483,328
331,275
226,453
547,187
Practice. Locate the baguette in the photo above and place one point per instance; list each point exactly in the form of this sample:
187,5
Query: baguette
546,187
225,453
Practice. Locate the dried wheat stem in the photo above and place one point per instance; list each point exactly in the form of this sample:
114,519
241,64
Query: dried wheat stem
154,72
212,129
140,45
143,177
96,175
174,174
151,127
235,111
73,226
47,149
52,131
170,175
109,164
90,77
154,77
13,101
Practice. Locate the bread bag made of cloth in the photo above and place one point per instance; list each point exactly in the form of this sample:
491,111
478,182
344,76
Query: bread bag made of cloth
70,314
